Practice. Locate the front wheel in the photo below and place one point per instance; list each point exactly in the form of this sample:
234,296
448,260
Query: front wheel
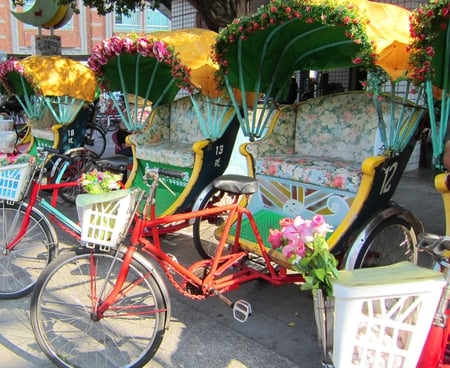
21,266
393,240
64,318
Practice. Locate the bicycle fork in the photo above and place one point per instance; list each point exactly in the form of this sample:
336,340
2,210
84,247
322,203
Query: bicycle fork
26,221
99,307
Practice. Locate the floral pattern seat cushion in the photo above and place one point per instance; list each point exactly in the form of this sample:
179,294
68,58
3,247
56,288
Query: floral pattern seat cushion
167,152
171,135
11,159
330,172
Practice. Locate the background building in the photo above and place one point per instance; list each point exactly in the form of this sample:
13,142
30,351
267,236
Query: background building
87,29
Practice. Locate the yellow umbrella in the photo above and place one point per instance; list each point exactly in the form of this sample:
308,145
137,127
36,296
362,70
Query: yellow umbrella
194,46
60,76
388,27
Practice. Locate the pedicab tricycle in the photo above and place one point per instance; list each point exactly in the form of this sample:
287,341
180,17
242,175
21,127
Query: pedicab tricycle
176,118
345,176
56,94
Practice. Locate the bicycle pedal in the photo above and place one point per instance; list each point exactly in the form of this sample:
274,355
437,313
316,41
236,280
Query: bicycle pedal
242,310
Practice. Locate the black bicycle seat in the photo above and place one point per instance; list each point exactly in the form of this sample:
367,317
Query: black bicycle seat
238,184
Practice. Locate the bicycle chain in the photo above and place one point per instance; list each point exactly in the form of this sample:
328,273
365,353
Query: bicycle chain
169,273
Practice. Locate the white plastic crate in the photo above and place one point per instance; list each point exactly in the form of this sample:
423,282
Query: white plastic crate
14,180
7,141
104,218
383,315
6,125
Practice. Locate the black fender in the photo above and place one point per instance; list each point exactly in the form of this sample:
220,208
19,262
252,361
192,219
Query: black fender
392,210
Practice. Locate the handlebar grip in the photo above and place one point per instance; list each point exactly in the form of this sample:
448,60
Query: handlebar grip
171,173
49,149
433,243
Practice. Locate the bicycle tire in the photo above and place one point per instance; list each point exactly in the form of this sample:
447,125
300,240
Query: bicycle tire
95,139
130,332
21,266
204,229
80,162
393,240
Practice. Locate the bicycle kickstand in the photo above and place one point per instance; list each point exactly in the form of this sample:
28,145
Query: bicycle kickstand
242,309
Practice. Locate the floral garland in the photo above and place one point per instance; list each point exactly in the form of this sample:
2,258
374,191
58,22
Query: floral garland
279,11
303,243
427,22
143,45
13,65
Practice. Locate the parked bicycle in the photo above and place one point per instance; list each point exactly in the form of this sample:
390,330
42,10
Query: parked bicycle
28,239
112,299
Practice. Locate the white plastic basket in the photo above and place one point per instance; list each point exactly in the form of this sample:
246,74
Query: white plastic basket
105,218
7,141
14,180
383,315
6,125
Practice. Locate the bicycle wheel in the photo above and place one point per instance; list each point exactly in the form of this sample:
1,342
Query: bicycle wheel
80,162
21,266
95,139
204,228
394,240
66,327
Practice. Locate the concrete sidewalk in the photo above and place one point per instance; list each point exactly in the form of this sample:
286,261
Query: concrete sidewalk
280,332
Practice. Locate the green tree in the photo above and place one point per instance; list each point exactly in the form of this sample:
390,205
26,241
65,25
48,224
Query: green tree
214,14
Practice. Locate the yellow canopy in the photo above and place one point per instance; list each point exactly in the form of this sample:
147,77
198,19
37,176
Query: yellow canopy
195,48
387,26
60,76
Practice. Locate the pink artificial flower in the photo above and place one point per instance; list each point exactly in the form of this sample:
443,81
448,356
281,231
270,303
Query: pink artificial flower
115,45
289,250
128,45
286,222
143,46
429,51
275,238
160,50
320,225
306,231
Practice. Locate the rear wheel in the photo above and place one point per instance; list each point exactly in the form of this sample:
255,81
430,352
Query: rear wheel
21,266
95,139
393,240
70,332
205,228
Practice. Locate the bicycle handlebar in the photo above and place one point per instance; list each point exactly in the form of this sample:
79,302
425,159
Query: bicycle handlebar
434,244
152,172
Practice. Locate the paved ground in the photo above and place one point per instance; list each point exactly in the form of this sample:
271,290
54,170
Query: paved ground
280,333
